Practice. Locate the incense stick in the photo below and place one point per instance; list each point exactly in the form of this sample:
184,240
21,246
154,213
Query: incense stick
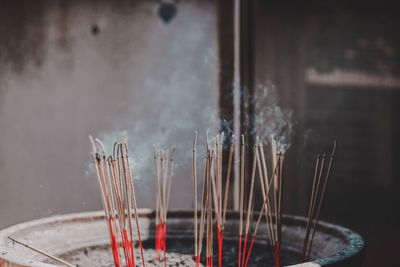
310,206
275,186
106,195
209,214
321,199
253,175
41,252
263,173
119,199
217,197
263,207
171,167
279,211
194,171
316,199
250,201
241,204
203,210
228,177
132,195
164,163
219,176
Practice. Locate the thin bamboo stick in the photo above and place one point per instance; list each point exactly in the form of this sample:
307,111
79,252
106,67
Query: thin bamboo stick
263,207
264,183
194,172
42,252
228,177
321,198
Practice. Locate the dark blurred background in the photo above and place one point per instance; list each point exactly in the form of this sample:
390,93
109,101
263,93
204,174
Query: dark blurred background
68,69
336,63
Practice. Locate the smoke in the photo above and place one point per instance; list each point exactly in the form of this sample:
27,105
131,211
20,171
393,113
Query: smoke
169,130
271,121
173,128
175,114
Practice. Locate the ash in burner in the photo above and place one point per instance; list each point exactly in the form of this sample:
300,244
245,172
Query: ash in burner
179,253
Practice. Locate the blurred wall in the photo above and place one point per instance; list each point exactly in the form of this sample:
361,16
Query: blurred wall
73,68
335,64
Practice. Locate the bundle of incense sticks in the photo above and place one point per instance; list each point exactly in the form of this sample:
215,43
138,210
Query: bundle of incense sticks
119,200
214,193
206,216
214,196
164,163
316,199
271,184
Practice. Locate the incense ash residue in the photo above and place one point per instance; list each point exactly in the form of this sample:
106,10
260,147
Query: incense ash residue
179,254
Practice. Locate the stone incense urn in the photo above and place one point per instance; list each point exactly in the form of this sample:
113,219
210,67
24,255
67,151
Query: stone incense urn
82,240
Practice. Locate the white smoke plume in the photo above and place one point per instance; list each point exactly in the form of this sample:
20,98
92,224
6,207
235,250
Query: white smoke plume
270,119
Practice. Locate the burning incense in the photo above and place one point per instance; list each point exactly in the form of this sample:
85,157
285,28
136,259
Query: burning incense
220,212
220,225
105,188
263,208
119,199
195,222
265,187
203,210
131,192
42,252
214,197
225,205
228,178
214,194
163,162
241,204
209,239
124,185
115,179
250,202
278,213
274,223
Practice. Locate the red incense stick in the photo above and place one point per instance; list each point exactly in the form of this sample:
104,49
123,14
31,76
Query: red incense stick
158,240
129,253
240,251
244,250
164,242
220,238
209,261
250,249
114,244
277,254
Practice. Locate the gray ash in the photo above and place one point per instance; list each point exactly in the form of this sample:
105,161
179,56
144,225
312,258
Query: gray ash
179,253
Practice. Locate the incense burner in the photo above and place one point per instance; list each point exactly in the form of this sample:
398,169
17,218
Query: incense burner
82,239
